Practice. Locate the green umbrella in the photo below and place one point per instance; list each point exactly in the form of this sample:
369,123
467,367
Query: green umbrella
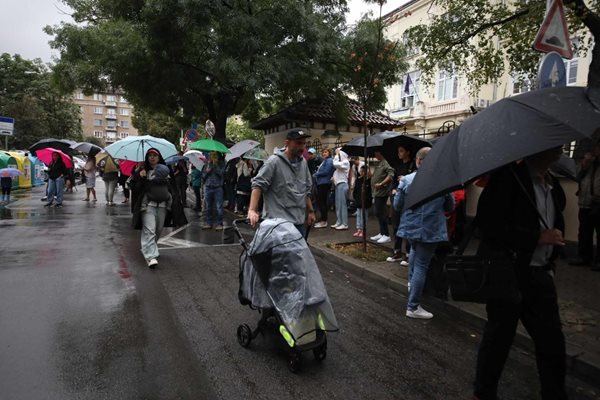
209,145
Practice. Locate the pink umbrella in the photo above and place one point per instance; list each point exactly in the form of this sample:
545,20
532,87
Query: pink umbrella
127,167
45,156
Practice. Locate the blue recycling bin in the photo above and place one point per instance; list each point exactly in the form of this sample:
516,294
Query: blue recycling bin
37,171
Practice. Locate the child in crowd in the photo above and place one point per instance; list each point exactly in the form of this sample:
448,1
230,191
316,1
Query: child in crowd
158,180
6,184
357,193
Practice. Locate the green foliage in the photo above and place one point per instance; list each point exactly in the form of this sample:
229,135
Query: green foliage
28,94
157,124
201,57
373,62
480,38
240,130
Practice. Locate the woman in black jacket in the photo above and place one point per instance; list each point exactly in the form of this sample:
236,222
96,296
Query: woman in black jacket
154,216
57,171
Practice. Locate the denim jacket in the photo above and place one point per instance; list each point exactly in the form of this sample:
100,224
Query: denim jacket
426,223
325,172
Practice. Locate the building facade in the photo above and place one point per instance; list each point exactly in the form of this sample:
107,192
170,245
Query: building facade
435,109
106,116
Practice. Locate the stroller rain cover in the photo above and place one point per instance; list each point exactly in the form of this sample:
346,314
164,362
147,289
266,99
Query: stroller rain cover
279,271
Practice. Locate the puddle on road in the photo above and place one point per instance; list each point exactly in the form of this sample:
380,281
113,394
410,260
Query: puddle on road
7,213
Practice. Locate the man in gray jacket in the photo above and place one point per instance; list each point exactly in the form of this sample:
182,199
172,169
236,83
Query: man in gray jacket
286,182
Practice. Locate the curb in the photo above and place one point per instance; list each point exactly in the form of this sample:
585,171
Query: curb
578,363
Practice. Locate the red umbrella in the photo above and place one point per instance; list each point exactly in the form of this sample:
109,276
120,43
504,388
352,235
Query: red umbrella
45,155
127,167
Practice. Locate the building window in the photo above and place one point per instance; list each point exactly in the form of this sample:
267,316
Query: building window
123,135
79,96
124,111
111,97
447,86
97,110
97,122
124,124
411,51
123,100
111,124
409,95
97,97
99,134
111,111
521,84
571,71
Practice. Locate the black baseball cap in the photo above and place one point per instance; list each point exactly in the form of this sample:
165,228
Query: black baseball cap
297,134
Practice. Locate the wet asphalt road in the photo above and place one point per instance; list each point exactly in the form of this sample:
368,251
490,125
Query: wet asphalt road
83,318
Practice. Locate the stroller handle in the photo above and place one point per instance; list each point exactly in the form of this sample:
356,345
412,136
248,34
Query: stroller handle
236,229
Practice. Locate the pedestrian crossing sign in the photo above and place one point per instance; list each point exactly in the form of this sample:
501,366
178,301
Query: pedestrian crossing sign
554,32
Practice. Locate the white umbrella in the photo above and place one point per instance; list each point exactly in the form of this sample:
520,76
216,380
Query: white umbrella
196,158
238,149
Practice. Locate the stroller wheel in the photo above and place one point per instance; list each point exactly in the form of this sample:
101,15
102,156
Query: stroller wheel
244,335
294,362
320,352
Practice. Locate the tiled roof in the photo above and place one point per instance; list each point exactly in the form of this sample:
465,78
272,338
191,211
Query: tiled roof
324,110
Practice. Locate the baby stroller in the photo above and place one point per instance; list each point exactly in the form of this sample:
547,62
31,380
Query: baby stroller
280,278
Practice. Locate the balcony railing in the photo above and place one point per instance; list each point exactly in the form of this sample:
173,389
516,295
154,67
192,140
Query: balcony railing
110,103
111,116
442,108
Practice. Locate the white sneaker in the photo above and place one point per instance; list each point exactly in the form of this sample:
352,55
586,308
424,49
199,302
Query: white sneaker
376,237
334,226
152,263
341,227
321,224
384,239
419,313
404,263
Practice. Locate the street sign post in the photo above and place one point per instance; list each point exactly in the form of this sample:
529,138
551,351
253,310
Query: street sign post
552,71
554,32
7,128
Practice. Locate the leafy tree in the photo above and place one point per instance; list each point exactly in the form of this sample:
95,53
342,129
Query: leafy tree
157,124
207,58
238,130
29,95
480,38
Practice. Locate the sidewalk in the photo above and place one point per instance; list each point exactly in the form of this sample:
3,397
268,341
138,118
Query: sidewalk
578,292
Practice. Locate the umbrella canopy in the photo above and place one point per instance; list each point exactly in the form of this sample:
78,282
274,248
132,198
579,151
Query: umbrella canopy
238,149
565,167
88,148
196,158
355,147
10,173
127,167
257,154
104,160
509,130
175,159
63,145
209,145
134,148
45,156
411,143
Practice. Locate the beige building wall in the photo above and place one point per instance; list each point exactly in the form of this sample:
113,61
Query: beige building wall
430,110
106,116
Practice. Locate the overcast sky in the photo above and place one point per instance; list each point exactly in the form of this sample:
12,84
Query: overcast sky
23,21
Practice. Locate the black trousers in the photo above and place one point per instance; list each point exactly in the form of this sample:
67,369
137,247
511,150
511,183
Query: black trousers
381,212
538,311
589,221
322,193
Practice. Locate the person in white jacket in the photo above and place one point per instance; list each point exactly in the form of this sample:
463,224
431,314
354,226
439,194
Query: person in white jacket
340,181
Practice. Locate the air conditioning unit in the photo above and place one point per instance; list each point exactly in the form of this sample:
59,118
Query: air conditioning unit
481,103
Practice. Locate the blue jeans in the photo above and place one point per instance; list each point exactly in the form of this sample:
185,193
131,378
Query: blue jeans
213,197
56,187
420,256
153,220
341,208
360,224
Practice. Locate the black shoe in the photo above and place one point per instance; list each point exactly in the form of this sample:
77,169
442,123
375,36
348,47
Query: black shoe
58,206
580,262
48,205
596,267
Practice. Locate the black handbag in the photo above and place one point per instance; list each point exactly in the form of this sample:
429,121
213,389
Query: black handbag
479,279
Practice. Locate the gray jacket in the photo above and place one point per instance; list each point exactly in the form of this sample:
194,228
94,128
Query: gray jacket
585,185
285,186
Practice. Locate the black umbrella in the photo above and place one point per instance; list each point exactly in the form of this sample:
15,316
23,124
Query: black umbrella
409,142
509,130
355,147
63,145
565,167
88,148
